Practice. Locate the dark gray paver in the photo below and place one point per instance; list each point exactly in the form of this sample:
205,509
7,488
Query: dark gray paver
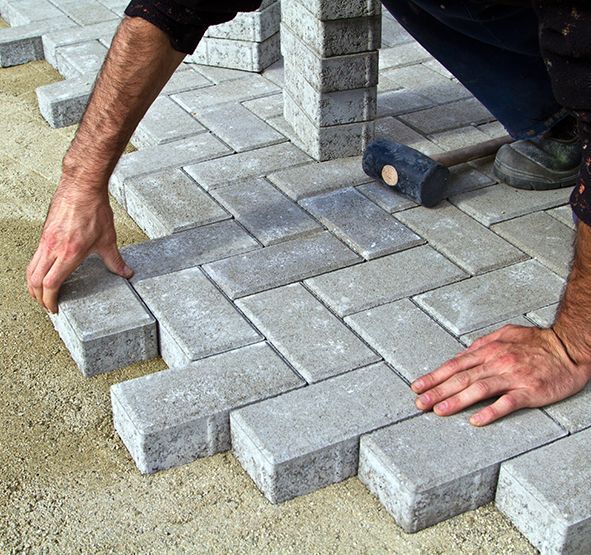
194,319
306,333
384,280
493,297
176,416
309,438
545,494
280,264
429,468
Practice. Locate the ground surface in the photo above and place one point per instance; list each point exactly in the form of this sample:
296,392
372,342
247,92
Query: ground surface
68,484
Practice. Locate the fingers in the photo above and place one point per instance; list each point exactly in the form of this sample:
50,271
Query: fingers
508,403
43,266
478,391
31,270
53,281
114,261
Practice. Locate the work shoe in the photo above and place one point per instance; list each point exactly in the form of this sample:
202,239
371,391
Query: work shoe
548,162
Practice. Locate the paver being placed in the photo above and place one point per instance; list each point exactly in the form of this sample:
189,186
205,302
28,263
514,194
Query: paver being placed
493,297
409,340
194,319
309,438
85,58
176,416
187,249
545,494
321,348
168,202
266,213
254,163
384,280
542,237
280,264
469,244
103,323
361,224
429,468
573,414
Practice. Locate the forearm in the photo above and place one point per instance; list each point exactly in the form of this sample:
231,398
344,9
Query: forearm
140,62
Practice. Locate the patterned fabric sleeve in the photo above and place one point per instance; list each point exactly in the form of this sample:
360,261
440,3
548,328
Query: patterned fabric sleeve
581,196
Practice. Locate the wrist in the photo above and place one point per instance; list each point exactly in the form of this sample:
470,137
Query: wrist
84,176
574,341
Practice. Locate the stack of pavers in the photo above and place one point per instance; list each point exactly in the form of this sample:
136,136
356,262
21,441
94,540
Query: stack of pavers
250,42
331,73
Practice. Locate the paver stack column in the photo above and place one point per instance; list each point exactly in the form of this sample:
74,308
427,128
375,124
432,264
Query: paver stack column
331,73
250,42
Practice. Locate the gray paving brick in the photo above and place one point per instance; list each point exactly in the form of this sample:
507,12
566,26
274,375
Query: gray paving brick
334,37
255,26
85,58
326,143
438,67
176,416
361,224
274,73
448,116
86,12
386,197
236,90
56,39
469,244
216,75
63,103
320,349
280,264
341,10
316,178
456,476
267,107
22,12
103,323
265,212
187,249
194,319
574,413
384,280
563,214
168,156
397,102
238,127
469,338
543,238
465,178
493,297
407,339
255,163
332,108
392,32
500,202
22,44
545,494
544,317
459,138
309,438
394,130
238,54
408,53
168,202
494,129
165,122
336,73
185,79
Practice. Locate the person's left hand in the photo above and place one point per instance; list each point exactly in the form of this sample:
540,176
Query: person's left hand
524,367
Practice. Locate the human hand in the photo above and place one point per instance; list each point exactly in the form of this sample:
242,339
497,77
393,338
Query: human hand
523,366
79,221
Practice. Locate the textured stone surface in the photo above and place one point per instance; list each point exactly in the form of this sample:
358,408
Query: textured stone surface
466,242
280,264
176,416
573,414
542,237
85,58
384,280
544,317
545,494
184,79
341,10
168,202
22,12
256,163
386,197
194,319
392,129
309,438
361,224
63,103
409,340
563,214
313,179
321,348
103,323
187,249
86,12
267,107
493,297
456,476
255,26
265,212
469,338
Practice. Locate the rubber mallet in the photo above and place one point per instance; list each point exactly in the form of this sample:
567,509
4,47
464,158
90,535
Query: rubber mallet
417,176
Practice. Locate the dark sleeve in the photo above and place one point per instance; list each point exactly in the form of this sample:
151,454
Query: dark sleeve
565,38
185,21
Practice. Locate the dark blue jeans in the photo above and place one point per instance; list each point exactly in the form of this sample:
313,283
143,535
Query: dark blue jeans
493,50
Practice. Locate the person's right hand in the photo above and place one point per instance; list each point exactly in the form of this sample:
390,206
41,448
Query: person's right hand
79,221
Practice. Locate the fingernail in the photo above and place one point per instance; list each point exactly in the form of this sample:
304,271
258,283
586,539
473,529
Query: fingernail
476,420
441,406
423,399
417,383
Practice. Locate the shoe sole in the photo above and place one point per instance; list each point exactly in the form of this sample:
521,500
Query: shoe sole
524,180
